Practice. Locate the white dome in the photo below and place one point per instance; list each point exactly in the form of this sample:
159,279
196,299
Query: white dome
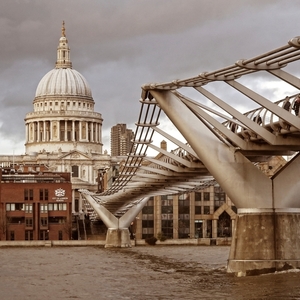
63,81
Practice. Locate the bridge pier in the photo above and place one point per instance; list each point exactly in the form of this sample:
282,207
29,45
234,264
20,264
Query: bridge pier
265,242
118,235
118,238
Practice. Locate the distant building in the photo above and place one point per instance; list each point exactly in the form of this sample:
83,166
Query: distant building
120,140
35,206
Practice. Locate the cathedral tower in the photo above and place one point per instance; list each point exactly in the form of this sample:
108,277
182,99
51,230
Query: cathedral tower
63,117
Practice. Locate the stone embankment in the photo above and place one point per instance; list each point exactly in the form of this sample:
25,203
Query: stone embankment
84,243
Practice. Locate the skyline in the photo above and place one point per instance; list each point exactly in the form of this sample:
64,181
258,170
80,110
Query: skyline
120,46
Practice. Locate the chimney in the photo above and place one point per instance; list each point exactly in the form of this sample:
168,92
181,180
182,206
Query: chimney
163,145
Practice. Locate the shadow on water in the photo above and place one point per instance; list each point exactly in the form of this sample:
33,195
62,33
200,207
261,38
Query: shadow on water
216,283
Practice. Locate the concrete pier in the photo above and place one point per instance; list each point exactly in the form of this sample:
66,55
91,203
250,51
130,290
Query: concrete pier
265,243
118,238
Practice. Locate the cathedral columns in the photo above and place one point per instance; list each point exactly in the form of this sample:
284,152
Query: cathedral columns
44,131
100,133
38,132
97,132
26,133
87,131
50,131
58,131
73,130
66,131
92,132
80,131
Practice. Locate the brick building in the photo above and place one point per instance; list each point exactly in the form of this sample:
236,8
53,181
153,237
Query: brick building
35,206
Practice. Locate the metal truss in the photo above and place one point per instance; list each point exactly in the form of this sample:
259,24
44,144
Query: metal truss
259,133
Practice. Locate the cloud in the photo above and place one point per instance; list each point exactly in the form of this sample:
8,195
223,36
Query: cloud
120,45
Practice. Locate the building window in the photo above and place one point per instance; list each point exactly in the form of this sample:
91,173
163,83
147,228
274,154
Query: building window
198,229
198,210
148,219
75,171
166,197
44,194
28,235
43,208
206,210
197,196
29,222
167,217
16,220
14,206
219,197
224,225
57,206
57,220
44,235
28,194
10,206
44,221
206,196
167,228
28,208
60,235
184,216
76,205
12,235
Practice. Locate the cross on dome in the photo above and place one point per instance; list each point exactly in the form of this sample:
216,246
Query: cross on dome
63,51
63,29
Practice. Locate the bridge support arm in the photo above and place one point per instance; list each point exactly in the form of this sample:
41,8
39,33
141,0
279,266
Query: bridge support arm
118,234
231,169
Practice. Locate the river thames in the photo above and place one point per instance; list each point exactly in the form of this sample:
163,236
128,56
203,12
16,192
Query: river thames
143,272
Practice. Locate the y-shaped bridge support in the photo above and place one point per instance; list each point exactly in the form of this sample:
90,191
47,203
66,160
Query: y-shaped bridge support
118,235
266,236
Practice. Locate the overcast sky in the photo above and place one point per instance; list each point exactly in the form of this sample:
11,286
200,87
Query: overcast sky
119,45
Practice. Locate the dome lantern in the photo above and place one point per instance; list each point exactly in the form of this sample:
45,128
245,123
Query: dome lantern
63,51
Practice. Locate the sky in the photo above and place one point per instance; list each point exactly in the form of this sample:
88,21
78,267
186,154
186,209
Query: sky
119,45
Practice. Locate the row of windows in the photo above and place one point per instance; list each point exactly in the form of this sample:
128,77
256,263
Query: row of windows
88,105
43,235
28,207
219,195
19,207
53,206
183,228
148,210
43,193
44,221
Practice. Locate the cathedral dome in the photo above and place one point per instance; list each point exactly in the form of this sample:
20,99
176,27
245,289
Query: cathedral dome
63,117
63,81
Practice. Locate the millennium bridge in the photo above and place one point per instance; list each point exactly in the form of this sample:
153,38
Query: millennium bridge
216,141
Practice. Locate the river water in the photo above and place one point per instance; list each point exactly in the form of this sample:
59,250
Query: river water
143,272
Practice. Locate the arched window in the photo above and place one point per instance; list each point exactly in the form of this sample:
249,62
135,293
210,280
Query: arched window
75,171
